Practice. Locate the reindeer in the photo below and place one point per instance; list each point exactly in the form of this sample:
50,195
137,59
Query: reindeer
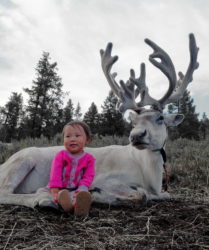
124,174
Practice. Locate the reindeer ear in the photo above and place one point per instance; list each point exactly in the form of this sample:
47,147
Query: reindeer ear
172,120
130,116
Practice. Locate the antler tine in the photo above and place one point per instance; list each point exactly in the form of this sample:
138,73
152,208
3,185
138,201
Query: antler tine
125,92
185,80
107,62
127,96
139,82
166,66
142,89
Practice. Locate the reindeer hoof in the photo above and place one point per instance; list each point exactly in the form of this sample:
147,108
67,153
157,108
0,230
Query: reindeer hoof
48,203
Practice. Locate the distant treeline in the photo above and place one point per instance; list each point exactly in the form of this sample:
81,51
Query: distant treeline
45,114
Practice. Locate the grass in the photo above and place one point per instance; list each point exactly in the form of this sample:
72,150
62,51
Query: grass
180,223
188,164
187,160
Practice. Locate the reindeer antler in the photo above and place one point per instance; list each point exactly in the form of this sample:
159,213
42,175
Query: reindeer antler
142,89
185,80
127,92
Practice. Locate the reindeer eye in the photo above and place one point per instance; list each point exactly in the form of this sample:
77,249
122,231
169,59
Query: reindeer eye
160,119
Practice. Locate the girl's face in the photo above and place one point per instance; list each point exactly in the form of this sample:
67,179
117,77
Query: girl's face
75,139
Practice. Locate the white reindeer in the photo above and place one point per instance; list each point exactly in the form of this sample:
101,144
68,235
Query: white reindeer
124,174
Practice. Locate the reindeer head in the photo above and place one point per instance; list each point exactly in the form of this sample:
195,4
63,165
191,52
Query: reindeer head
150,125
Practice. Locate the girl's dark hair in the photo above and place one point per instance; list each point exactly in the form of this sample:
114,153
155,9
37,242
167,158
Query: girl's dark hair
83,125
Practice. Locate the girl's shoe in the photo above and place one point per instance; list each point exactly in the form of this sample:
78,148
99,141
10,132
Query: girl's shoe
82,204
64,200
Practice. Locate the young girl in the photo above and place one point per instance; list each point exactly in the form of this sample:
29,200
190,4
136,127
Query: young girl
72,170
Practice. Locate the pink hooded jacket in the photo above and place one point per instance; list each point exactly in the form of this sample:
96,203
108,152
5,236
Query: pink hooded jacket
61,169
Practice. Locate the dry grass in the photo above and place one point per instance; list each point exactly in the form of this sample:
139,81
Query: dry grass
175,224
181,223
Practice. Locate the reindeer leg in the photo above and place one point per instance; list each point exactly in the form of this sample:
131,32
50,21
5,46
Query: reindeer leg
17,173
28,200
119,195
42,199
160,196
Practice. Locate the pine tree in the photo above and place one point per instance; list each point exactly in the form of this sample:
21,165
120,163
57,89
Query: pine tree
111,122
2,116
204,126
68,112
91,117
77,113
45,99
173,131
10,117
189,128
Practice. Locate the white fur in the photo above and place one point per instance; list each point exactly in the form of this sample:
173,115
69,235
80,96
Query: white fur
124,174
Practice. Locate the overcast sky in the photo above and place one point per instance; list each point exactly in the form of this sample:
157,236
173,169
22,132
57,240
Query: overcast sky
73,32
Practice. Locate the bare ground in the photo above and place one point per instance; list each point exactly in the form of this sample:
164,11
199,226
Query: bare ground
180,223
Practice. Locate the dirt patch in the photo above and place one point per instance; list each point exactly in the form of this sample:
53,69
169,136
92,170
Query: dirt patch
174,224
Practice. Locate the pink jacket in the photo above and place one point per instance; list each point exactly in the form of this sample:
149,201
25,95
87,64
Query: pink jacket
61,168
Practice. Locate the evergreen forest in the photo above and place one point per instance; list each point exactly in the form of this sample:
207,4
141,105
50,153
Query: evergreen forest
45,114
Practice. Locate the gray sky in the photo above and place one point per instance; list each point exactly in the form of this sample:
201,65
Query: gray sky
73,32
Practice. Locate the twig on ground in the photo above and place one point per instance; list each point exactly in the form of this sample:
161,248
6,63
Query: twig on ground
10,236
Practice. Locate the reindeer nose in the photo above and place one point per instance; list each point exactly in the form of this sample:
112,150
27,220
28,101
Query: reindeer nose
138,137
